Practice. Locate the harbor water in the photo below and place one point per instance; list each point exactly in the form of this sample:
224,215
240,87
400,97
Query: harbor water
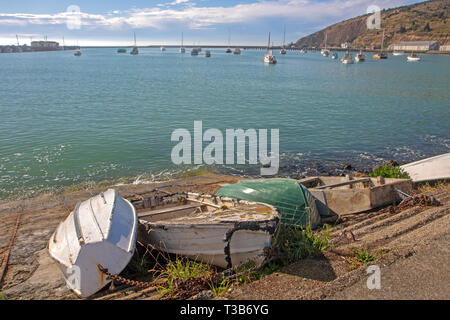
67,121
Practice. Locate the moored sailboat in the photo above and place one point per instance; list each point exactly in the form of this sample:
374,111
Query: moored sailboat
269,58
135,50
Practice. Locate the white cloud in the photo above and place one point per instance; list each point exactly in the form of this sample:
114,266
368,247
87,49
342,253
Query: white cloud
203,17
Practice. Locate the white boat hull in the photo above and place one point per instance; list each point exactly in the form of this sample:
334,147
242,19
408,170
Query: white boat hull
221,238
100,231
430,169
413,59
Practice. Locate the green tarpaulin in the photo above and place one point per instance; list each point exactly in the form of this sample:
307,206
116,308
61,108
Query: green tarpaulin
295,203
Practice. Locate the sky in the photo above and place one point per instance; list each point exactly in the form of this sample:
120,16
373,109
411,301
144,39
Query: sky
206,22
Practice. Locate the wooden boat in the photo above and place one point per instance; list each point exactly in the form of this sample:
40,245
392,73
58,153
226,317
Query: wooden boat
269,58
347,195
413,57
215,230
430,169
100,231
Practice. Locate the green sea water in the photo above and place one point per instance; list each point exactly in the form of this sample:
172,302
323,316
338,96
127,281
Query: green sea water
68,120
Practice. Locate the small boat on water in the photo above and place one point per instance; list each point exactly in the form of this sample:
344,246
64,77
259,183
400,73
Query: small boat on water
398,53
269,58
283,49
237,51
194,52
121,50
182,49
430,169
77,52
99,231
334,55
162,48
303,51
325,52
207,53
220,231
413,57
228,50
347,58
135,50
360,57
381,54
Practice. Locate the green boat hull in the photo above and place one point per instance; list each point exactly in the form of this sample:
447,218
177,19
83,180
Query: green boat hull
296,204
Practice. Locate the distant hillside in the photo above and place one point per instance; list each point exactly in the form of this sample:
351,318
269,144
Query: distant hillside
423,21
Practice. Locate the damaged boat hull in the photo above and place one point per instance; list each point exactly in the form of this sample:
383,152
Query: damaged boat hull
222,232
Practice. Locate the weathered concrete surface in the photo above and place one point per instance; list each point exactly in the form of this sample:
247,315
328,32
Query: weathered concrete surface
424,275
414,255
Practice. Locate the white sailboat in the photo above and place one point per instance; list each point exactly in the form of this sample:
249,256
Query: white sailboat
360,57
135,50
347,59
325,52
182,49
100,231
398,53
283,50
269,58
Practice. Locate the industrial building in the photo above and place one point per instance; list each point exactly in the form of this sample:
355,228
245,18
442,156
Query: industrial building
415,46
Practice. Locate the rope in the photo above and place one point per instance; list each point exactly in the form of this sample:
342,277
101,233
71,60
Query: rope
140,284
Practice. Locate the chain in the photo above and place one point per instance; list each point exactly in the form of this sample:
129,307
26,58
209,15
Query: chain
129,282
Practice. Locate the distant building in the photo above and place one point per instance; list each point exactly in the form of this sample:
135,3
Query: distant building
346,45
44,45
445,48
415,46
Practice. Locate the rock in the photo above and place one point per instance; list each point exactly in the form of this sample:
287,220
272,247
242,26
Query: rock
392,163
347,166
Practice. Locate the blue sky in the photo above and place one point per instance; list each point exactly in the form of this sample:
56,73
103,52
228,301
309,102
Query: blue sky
112,22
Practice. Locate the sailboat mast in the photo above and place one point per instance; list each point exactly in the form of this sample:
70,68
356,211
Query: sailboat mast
268,44
284,36
182,39
135,39
17,37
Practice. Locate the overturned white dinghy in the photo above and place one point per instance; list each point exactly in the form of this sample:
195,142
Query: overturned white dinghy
100,231
215,230
430,169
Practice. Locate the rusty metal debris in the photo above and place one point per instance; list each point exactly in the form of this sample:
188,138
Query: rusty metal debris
4,265
420,200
